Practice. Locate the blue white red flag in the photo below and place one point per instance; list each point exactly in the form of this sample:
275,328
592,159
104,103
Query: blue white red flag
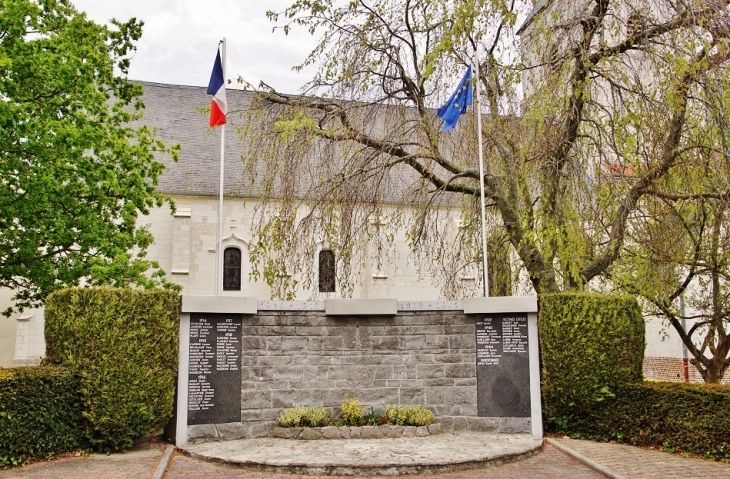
217,88
456,106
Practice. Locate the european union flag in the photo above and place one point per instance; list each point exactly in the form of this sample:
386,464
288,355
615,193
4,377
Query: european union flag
456,106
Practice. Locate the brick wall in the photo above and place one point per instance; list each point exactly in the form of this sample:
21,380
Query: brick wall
672,369
308,358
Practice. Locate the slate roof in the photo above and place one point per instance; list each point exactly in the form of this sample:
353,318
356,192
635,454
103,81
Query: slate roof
174,111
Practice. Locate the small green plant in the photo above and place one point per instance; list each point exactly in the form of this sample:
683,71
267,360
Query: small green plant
291,417
375,418
421,417
315,417
409,415
352,413
302,416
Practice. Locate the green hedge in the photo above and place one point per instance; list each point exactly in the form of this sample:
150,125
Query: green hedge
690,418
590,345
123,344
40,414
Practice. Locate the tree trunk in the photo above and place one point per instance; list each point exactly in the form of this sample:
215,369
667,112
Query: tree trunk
714,372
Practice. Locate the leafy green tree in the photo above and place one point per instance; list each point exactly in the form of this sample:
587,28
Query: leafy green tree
596,112
606,87
678,256
74,176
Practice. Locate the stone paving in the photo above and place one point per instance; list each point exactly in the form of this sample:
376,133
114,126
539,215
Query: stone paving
550,463
138,462
635,462
547,464
441,452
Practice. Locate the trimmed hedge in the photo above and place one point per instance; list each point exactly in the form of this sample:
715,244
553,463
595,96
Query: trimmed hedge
681,417
40,414
590,345
123,344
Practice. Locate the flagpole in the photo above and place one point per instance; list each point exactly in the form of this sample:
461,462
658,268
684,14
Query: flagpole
219,255
478,112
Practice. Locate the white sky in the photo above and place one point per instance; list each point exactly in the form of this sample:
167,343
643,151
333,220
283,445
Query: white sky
179,40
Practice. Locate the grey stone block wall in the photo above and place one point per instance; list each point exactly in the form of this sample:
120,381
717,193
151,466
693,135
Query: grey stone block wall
307,358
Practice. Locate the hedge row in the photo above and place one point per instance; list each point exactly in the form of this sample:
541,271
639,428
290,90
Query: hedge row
590,345
123,344
681,417
40,414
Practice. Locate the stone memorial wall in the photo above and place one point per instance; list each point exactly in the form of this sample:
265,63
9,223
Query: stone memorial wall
471,370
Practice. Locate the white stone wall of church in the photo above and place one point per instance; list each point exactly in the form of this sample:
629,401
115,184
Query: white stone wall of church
30,343
662,339
8,327
403,280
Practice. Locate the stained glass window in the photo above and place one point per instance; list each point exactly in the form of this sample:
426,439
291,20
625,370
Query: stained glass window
232,269
326,271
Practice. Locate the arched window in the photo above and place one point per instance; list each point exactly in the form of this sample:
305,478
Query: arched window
232,269
326,271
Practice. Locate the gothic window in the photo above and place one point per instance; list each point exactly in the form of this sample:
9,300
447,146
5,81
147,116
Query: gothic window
326,271
553,58
232,269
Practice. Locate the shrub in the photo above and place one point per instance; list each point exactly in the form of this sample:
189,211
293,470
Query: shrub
302,416
590,346
374,419
681,417
409,415
123,344
352,413
40,414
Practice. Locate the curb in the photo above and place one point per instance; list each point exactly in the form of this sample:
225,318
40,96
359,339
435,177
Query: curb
164,462
600,468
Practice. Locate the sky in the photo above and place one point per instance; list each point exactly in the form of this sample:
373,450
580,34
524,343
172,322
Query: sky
180,38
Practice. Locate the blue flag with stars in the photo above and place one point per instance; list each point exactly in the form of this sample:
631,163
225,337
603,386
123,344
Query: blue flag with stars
456,106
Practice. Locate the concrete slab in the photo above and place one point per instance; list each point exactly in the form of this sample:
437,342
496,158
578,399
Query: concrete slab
192,303
361,307
369,457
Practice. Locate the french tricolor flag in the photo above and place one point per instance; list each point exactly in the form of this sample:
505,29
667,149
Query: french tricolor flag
217,88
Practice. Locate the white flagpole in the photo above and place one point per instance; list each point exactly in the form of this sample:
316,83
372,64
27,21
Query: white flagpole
219,255
477,109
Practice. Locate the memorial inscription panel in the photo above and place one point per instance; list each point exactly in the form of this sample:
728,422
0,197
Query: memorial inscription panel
503,365
214,373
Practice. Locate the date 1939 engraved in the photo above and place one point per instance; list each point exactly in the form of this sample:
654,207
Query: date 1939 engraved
430,305
291,305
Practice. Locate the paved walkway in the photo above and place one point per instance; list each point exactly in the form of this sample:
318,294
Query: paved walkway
138,462
547,464
551,463
635,462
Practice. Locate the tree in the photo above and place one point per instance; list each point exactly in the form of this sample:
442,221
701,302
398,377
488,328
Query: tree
73,175
677,258
609,90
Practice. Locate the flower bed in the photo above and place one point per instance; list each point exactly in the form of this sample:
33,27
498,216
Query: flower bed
355,432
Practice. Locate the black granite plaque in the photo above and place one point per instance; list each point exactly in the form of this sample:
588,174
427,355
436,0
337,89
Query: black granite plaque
214,373
503,365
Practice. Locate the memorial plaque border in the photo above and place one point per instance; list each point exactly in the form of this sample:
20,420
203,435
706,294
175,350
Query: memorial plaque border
214,368
502,364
